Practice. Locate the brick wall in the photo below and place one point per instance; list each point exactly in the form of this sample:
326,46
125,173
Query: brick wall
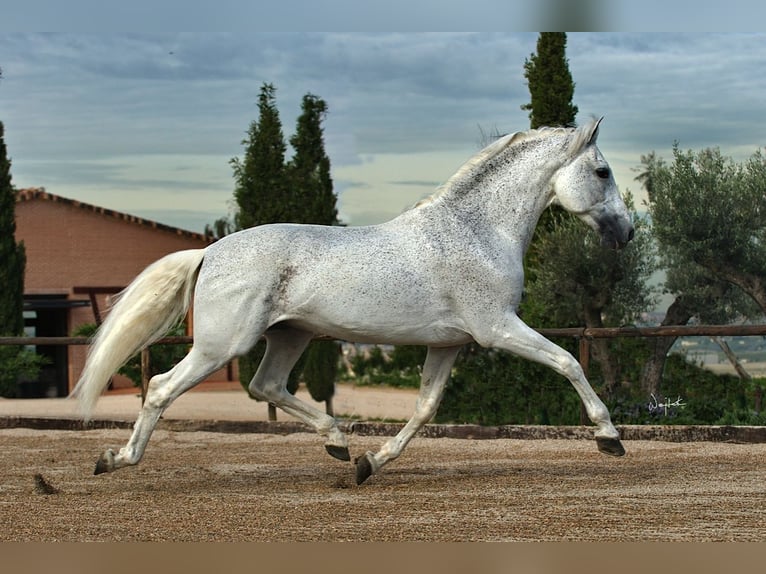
70,244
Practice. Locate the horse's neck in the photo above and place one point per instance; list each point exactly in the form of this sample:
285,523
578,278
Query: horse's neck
510,196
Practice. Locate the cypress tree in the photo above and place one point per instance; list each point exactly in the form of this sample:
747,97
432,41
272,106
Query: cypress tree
270,191
551,90
550,83
261,190
12,263
320,371
487,372
309,172
310,166
262,196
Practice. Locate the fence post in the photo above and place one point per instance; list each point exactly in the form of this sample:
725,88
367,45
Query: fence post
584,352
584,356
146,368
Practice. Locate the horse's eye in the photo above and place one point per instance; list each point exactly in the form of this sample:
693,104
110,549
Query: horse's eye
602,172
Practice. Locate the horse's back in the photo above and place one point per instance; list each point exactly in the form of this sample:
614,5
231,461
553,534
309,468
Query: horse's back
358,283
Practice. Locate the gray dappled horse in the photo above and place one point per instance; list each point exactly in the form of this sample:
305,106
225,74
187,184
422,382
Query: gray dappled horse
442,274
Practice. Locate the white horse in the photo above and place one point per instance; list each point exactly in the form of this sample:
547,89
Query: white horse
442,274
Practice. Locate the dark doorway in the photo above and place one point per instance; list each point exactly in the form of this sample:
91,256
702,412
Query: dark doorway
47,316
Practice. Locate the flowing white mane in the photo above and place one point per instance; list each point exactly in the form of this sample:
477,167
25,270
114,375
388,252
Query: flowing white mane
580,137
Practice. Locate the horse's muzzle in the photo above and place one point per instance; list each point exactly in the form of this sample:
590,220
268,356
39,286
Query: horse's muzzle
616,236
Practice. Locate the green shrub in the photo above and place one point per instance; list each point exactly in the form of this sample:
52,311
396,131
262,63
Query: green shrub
492,387
400,370
16,363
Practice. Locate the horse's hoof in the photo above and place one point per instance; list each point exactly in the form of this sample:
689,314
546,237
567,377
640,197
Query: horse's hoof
610,446
364,468
339,452
105,463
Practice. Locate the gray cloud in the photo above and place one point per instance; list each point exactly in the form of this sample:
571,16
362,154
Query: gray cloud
79,108
699,89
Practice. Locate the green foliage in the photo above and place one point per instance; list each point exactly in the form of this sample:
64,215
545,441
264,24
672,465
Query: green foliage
261,189
310,181
248,364
492,387
708,398
13,360
709,217
709,206
400,370
162,358
221,227
268,190
579,282
550,83
17,363
363,365
408,358
571,281
309,169
321,369
12,256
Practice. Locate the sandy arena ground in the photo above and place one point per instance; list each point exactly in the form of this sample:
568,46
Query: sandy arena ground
201,486
208,403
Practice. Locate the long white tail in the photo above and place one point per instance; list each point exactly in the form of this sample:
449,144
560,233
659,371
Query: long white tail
143,313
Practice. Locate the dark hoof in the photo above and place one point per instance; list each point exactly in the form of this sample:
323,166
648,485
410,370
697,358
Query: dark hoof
105,463
363,469
339,452
610,446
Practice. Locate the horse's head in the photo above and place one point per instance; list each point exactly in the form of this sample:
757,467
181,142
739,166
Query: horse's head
585,186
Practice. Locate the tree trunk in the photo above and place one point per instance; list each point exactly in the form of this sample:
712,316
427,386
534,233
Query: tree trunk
651,373
601,351
603,354
732,356
753,285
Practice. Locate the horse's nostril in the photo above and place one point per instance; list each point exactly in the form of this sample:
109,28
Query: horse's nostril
631,233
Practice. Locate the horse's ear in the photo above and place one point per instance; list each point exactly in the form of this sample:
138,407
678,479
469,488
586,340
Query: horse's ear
594,131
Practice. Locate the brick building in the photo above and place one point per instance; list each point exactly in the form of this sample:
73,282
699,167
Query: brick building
78,255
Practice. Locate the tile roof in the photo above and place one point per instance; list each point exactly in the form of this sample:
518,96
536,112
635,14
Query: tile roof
39,193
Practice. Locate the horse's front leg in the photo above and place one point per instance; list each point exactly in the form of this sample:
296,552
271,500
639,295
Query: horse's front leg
436,373
515,336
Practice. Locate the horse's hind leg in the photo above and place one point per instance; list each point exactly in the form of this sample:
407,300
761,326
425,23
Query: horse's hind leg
163,390
284,347
436,373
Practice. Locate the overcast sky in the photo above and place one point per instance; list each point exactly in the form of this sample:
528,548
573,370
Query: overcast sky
147,123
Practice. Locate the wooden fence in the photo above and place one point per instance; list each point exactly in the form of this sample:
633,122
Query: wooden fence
583,334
